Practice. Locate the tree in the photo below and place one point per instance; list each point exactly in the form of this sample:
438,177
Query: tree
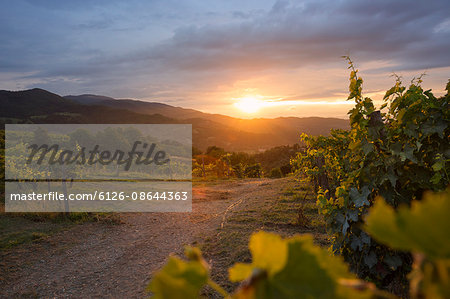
40,136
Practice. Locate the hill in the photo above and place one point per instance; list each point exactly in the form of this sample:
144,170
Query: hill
234,134
276,131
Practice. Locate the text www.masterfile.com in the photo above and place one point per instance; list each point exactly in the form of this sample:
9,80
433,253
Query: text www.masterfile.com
100,195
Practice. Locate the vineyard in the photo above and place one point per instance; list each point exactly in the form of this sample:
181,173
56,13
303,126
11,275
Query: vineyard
225,149
381,187
215,162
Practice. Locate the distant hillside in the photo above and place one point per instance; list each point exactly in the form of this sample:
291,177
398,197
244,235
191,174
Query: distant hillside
280,131
41,106
137,106
26,103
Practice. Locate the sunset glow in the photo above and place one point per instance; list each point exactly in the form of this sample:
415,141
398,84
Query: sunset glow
228,127
261,59
249,104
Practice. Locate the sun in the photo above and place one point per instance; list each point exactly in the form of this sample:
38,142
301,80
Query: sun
249,104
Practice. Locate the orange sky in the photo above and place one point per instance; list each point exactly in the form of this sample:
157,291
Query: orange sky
305,92
208,55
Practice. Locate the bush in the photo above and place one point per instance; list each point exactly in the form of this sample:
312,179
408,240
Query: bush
253,171
275,173
397,154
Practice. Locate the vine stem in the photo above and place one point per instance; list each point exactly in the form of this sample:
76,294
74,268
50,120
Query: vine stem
218,288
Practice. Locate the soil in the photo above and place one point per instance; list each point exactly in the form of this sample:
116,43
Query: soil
117,261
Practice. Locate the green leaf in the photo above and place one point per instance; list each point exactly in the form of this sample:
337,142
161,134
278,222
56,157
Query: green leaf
352,215
393,261
360,199
431,128
270,258
370,259
367,147
391,91
239,272
309,272
408,153
392,179
423,228
400,115
356,243
436,178
438,165
179,279
396,148
354,145
345,227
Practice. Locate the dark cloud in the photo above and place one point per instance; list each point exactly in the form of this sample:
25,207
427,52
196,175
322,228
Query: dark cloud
292,36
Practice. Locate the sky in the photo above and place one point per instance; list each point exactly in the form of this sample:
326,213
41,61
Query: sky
242,58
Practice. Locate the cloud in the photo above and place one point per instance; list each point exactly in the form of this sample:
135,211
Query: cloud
294,35
200,53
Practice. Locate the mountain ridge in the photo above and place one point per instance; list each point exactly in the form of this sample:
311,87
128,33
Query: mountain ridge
41,106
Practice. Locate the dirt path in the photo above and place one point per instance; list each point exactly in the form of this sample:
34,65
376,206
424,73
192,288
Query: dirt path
116,261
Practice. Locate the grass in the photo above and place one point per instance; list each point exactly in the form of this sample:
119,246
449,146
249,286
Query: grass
211,181
16,230
22,228
279,215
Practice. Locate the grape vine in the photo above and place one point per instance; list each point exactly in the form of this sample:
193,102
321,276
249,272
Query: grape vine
371,184
397,154
296,268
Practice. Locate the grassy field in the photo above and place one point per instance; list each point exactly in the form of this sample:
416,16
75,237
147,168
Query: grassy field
16,230
293,212
21,228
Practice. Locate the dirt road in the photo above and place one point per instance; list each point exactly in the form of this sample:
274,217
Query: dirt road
116,261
